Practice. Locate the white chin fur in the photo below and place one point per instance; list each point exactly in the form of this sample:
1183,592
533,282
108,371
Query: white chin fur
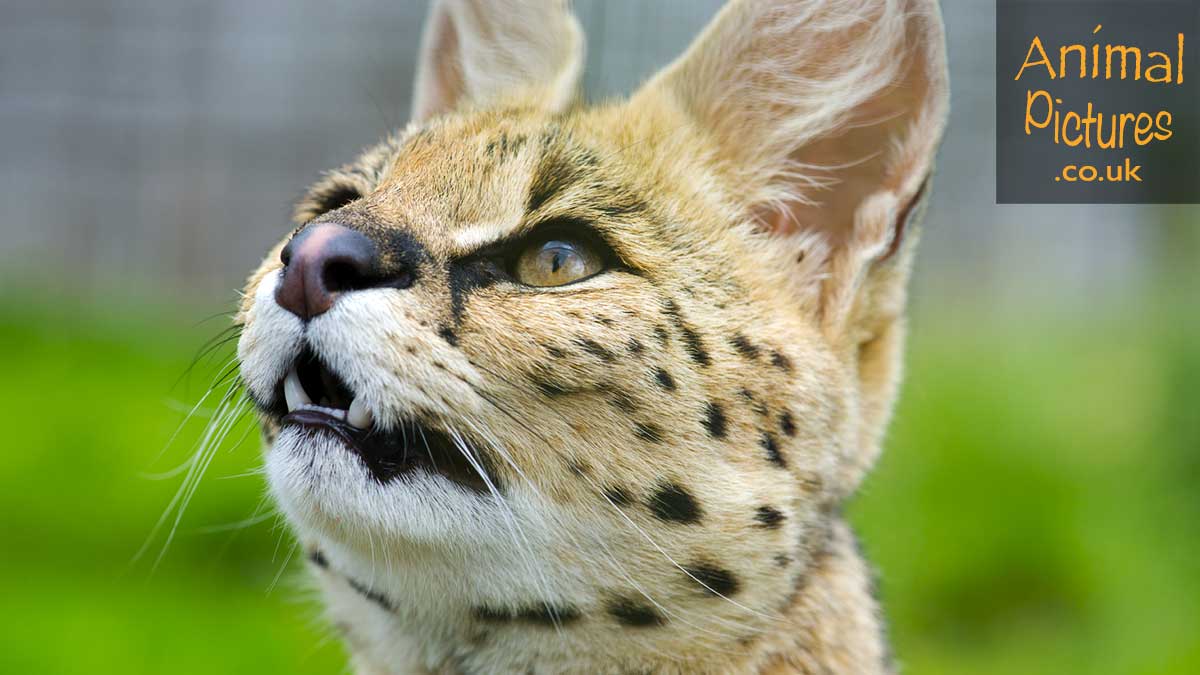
324,488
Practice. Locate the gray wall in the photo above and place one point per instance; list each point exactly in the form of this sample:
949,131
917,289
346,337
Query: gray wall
157,144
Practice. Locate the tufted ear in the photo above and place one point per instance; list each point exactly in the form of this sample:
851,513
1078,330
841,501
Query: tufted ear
495,52
825,115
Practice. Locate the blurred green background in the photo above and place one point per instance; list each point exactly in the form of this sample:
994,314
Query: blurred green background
1035,511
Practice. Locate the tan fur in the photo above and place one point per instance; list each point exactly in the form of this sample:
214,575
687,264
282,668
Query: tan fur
758,188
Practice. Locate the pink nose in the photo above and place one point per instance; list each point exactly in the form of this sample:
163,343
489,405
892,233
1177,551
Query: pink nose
321,263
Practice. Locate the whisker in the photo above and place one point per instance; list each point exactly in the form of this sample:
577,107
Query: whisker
283,567
239,525
231,404
510,520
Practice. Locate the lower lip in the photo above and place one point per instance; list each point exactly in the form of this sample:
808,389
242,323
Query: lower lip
320,420
384,455
384,463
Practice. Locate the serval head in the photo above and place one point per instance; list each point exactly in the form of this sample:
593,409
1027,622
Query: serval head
551,388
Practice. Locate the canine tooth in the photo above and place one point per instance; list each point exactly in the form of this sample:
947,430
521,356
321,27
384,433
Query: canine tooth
359,414
293,391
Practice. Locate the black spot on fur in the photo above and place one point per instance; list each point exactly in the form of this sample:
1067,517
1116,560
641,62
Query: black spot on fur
714,420
335,197
744,346
664,379
317,558
672,503
769,516
755,404
782,559
596,349
604,320
543,614
635,346
622,401
692,343
694,346
374,596
635,613
548,615
714,580
647,432
771,445
780,361
491,614
786,424
548,388
662,335
618,496
447,334
555,351
578,467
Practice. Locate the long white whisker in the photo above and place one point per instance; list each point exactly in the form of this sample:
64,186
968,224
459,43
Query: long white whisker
193,464
511,521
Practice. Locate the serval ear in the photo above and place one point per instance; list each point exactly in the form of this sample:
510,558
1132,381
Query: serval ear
824,117
497,52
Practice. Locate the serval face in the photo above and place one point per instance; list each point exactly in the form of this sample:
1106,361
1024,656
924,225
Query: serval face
556,388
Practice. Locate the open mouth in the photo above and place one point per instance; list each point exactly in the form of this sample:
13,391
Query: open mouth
321,402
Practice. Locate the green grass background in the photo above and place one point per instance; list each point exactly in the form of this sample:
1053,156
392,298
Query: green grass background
1036,509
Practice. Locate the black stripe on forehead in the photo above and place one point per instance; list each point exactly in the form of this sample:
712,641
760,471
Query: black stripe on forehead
555,172
565,164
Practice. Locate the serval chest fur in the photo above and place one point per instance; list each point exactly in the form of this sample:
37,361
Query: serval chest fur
552,388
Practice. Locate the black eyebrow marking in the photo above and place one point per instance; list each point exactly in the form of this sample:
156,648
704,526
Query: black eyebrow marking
553,175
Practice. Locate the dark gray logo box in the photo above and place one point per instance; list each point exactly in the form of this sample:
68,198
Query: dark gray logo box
1032,168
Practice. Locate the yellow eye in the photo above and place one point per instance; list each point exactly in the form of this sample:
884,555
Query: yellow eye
555,262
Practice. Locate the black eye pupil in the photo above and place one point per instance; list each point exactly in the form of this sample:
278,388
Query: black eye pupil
556,263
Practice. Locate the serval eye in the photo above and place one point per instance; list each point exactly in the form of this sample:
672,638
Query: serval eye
554,262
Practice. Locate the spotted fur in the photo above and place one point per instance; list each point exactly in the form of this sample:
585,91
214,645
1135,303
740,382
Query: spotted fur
666,444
